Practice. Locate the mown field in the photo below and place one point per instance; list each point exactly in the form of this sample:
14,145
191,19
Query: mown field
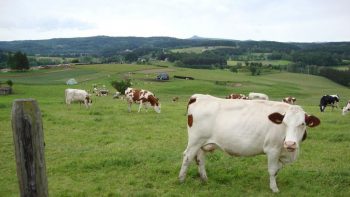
106,151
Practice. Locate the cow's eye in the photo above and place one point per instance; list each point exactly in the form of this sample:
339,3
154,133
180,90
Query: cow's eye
303,123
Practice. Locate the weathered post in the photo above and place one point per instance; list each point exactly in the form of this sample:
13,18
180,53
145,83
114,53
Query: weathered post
28,139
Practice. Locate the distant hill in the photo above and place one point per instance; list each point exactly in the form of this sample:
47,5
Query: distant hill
108,46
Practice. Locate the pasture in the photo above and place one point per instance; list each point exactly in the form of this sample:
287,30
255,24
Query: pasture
106,151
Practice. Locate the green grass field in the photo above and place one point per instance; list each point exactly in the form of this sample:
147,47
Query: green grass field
106,151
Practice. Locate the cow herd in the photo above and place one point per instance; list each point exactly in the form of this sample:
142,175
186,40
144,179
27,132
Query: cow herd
245,126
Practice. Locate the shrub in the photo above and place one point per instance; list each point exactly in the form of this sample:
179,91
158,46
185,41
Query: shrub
122,85
9,82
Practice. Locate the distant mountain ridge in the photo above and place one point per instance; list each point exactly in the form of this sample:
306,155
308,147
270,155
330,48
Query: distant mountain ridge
107,46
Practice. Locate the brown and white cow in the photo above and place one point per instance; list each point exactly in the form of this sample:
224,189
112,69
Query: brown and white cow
290,100
143,97
244,128
236,96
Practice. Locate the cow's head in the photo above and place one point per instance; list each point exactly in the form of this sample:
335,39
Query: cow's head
88,100
154,101
295,121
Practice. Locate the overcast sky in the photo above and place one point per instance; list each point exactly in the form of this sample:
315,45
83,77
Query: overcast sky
276,20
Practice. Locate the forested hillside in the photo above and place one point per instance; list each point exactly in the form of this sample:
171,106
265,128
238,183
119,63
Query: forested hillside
104,45
308,58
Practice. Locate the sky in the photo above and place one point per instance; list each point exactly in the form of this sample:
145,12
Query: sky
274,20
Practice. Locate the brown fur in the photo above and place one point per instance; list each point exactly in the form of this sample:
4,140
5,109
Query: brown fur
136,95
192,100
236,96
190,120
153,100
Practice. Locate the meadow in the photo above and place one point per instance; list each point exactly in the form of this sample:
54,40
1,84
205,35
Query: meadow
107,151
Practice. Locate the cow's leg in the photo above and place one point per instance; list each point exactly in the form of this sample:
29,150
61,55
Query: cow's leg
200,160
273,167
146,106
322,108
129,106
140,106
189,155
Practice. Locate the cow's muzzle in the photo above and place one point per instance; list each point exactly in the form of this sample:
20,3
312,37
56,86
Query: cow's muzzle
290,146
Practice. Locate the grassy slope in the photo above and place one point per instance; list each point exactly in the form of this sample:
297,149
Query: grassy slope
106,151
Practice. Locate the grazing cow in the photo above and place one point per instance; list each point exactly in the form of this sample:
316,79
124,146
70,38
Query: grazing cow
78,95
236,96
332,100
103,92
257,96
290,100
346,109
244,128
143,97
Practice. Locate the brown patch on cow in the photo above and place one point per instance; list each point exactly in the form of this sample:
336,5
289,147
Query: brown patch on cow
153,100
190,120
136,95
236,96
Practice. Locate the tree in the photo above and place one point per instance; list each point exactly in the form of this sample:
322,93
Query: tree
122,85
18,61
9,82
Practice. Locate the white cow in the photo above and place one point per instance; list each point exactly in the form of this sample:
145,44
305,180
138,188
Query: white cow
77,95
244,128
346,109
257,96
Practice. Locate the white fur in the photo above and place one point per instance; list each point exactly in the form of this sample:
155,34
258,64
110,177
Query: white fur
76,95
346,109
257,96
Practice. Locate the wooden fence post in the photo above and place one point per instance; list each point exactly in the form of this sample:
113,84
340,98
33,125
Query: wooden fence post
28,139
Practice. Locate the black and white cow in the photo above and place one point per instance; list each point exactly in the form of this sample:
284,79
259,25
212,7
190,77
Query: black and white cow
332,100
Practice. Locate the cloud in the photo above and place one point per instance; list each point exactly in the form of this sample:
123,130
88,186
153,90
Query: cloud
48,24
287,20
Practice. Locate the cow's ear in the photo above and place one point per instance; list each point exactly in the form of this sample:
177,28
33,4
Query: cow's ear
276,117
312,121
